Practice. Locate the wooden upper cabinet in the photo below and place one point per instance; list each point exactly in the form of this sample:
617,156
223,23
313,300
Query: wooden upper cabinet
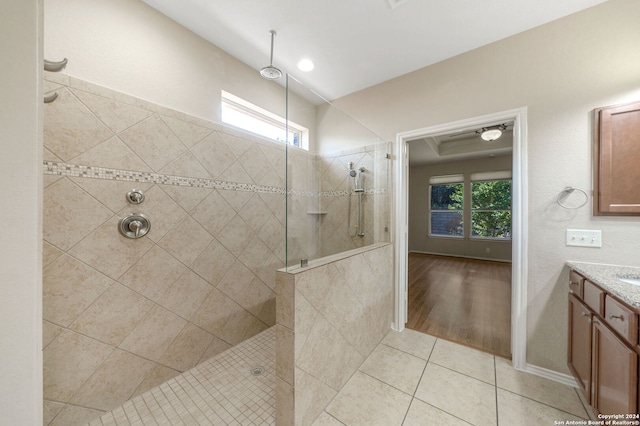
617,161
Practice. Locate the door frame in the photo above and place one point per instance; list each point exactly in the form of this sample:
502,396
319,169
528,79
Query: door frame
518,221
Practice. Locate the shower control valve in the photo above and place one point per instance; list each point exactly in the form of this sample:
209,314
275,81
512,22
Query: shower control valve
135,196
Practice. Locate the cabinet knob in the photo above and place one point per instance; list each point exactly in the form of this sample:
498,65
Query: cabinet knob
585,314
620,317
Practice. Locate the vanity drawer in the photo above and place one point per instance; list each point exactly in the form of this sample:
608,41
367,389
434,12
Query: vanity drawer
593,296
575,283
621,319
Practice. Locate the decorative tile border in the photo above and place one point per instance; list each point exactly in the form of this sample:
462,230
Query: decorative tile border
92,172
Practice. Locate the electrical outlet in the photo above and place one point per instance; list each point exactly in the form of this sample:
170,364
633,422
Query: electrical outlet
584,238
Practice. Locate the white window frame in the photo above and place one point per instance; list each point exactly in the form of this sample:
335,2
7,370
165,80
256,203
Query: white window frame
255,116
446,180
489,177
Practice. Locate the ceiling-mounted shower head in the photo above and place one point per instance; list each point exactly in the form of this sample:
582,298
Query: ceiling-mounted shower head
270,72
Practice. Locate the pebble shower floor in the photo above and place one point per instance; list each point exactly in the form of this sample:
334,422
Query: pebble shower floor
228,389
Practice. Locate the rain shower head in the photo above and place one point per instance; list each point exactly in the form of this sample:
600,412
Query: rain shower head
270,72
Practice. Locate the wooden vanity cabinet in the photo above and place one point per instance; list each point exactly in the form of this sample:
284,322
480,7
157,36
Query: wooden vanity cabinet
602,351
614,373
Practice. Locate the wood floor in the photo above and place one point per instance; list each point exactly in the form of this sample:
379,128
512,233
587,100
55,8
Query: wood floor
466,301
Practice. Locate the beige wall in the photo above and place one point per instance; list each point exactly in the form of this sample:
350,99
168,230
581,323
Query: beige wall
21,218
561,72
419,239
131,48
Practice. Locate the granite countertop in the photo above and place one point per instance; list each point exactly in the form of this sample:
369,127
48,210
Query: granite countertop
606,276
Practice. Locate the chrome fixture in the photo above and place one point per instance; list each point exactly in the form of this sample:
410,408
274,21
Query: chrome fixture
358,189
270,72
53,67
304,263
135,196
135,225
487,133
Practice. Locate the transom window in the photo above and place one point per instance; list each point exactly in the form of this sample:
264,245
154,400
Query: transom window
244,115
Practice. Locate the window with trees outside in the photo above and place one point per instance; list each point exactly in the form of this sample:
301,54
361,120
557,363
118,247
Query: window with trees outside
491,209
447,206
488,212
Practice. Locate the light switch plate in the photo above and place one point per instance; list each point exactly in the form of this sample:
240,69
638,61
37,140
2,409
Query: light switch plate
584,237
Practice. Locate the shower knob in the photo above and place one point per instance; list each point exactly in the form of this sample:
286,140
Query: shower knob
135,225
135,196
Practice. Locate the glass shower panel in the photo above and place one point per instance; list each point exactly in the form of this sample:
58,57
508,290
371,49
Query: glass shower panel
338,191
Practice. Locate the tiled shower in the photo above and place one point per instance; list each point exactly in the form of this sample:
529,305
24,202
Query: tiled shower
124,315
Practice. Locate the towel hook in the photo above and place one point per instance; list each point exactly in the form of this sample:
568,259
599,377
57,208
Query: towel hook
52,66
568,191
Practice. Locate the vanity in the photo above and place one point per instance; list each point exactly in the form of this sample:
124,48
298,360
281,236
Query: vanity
603,348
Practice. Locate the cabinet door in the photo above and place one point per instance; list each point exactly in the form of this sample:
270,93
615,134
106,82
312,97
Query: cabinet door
616,157
579,350
615,373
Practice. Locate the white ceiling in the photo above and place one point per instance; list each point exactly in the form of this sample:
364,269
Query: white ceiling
358,43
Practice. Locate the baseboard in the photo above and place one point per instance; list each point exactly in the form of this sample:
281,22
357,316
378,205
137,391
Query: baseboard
459,255
565,379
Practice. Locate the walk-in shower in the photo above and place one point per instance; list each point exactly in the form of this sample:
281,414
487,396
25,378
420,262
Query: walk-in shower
358,191
330,211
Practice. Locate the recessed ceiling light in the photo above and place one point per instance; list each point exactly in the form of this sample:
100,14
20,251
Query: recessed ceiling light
306,65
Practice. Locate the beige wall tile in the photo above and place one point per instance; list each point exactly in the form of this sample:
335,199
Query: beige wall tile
214,213
51,409
186,165
311,397
68,288
110,193
187,348
108,251
188,133
285,403
162,211
285,302
186,294
70,128
285,359
72,415
113,315
153,141
70,214
214,262
238,143
325,347
49,332
116,115
153,274
186,241
236,236
69,360
187,197
213,154
236,173
114,382
112,153
153,335
49,254
157,374
215,347
236,199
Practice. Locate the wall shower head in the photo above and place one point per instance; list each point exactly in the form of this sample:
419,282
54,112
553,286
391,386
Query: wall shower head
270,72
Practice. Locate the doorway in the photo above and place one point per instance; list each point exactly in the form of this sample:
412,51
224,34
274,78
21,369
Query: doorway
519,225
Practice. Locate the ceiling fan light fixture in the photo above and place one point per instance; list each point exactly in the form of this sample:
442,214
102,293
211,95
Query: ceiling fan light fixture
490,134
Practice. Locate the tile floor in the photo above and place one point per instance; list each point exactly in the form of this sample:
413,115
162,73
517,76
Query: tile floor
409,379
